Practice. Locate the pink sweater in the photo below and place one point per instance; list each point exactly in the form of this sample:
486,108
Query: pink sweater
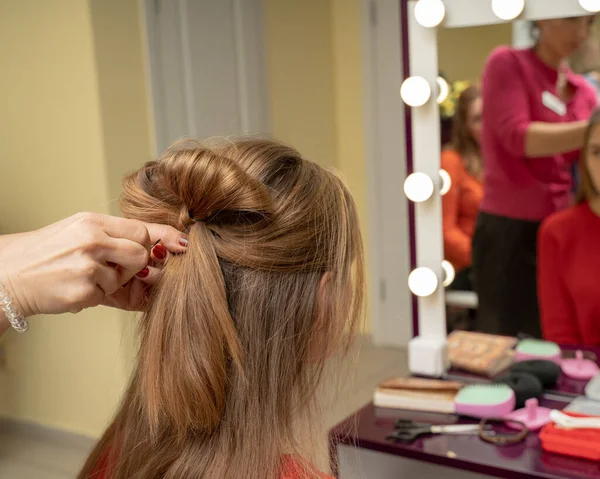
516,186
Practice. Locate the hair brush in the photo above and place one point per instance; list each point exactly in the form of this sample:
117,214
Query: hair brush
485,400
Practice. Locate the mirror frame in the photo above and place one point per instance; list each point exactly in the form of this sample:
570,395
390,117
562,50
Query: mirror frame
426,149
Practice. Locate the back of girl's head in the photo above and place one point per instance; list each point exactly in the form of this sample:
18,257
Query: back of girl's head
586,189
236,333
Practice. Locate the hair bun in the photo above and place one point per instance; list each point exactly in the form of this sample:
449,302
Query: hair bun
192,183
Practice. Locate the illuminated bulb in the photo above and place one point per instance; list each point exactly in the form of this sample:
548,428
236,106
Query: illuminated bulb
422,282
444,89
590,5
446,182
418,187
508,9
449,273
429,13
415,91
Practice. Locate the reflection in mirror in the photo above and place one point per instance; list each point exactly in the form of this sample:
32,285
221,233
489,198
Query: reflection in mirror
512,130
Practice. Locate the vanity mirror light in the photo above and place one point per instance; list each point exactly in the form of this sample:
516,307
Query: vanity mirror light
422,90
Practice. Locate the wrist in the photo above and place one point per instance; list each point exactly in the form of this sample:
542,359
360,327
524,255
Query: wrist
7,286
7,276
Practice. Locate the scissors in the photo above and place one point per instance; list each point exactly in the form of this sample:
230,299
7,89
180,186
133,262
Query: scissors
407,431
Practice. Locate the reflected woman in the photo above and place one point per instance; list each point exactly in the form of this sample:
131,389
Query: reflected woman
462,160
535,113
568,258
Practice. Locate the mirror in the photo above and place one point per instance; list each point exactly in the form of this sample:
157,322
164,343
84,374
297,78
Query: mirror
515,176
489,255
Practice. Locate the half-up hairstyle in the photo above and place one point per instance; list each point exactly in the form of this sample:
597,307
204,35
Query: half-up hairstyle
235,334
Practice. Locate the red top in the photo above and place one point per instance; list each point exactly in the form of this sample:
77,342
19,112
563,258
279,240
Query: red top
460,208
514,82
291,470
568,265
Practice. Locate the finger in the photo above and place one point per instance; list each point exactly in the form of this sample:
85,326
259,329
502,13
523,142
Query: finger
131,297
159,253
130,256
108,279
175,241
122,228
149,275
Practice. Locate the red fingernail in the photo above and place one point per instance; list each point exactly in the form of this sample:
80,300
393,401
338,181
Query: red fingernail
159,251
143,273
183,241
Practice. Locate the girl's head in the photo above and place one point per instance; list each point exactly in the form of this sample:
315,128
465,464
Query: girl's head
589,164
466,128
235,335
561,37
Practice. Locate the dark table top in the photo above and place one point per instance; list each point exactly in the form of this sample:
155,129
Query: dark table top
369,427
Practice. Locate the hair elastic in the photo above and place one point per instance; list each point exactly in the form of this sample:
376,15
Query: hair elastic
14,316
502,439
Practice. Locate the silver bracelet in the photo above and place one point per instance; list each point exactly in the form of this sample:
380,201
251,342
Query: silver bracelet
14,316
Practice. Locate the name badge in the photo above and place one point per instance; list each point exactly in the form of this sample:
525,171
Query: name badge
553,103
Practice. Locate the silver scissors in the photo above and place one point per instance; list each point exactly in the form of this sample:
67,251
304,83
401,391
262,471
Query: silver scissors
407,431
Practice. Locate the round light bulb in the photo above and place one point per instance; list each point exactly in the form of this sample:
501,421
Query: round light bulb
449,273
429,13
418,187
508,9
446,182
590,5
444,89
415,91
422,282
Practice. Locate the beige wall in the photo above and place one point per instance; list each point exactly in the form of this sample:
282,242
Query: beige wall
63,151
123,96
349,107
462,51
300,76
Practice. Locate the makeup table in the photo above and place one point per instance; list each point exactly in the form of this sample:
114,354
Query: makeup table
361,450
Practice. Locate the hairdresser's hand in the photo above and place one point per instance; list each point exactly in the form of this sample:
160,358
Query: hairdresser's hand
132,295
82,261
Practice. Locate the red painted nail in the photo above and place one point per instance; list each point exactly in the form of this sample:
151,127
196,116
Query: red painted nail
143,273
159,251
183,241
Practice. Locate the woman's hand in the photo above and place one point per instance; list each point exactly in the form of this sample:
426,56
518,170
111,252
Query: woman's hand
83,261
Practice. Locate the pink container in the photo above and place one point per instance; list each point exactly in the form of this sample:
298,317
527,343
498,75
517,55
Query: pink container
532,415
579,368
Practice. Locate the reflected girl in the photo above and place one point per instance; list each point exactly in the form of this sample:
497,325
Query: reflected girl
462,161
568,283
535,113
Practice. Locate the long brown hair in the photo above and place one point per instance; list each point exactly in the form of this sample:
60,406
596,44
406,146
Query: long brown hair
586,190
462,139
235,335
